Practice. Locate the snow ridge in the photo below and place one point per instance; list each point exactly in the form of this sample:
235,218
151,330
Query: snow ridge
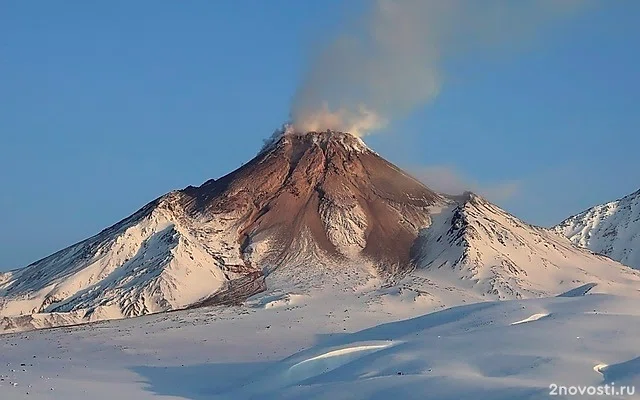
157,260
612,229
490,251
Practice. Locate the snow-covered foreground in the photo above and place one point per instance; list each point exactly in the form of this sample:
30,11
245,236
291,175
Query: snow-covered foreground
301,347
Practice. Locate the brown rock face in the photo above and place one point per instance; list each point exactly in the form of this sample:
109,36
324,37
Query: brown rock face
326,188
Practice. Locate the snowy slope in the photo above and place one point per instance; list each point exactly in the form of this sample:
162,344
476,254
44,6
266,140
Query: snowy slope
333,346
481,247
484,350
155,260
612,229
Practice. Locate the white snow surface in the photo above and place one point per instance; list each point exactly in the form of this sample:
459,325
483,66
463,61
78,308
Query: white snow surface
531,318
334,344
612,229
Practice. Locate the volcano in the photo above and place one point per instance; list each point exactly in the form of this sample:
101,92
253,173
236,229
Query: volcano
323,193
307,211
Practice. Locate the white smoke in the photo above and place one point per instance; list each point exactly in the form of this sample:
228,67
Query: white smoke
357,120
392,60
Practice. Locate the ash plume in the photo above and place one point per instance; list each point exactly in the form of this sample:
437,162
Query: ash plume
391,61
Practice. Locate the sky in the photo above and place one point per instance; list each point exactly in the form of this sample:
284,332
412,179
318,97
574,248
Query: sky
106,106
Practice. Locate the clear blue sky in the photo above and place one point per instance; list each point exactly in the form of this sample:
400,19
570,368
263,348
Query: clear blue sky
104,107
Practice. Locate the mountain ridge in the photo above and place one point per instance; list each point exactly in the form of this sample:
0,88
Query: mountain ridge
311,211
611,229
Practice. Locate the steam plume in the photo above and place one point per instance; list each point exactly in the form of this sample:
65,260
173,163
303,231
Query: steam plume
392,60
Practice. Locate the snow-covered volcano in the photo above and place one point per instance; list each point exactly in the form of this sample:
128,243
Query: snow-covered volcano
312,199
313,210
612,229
